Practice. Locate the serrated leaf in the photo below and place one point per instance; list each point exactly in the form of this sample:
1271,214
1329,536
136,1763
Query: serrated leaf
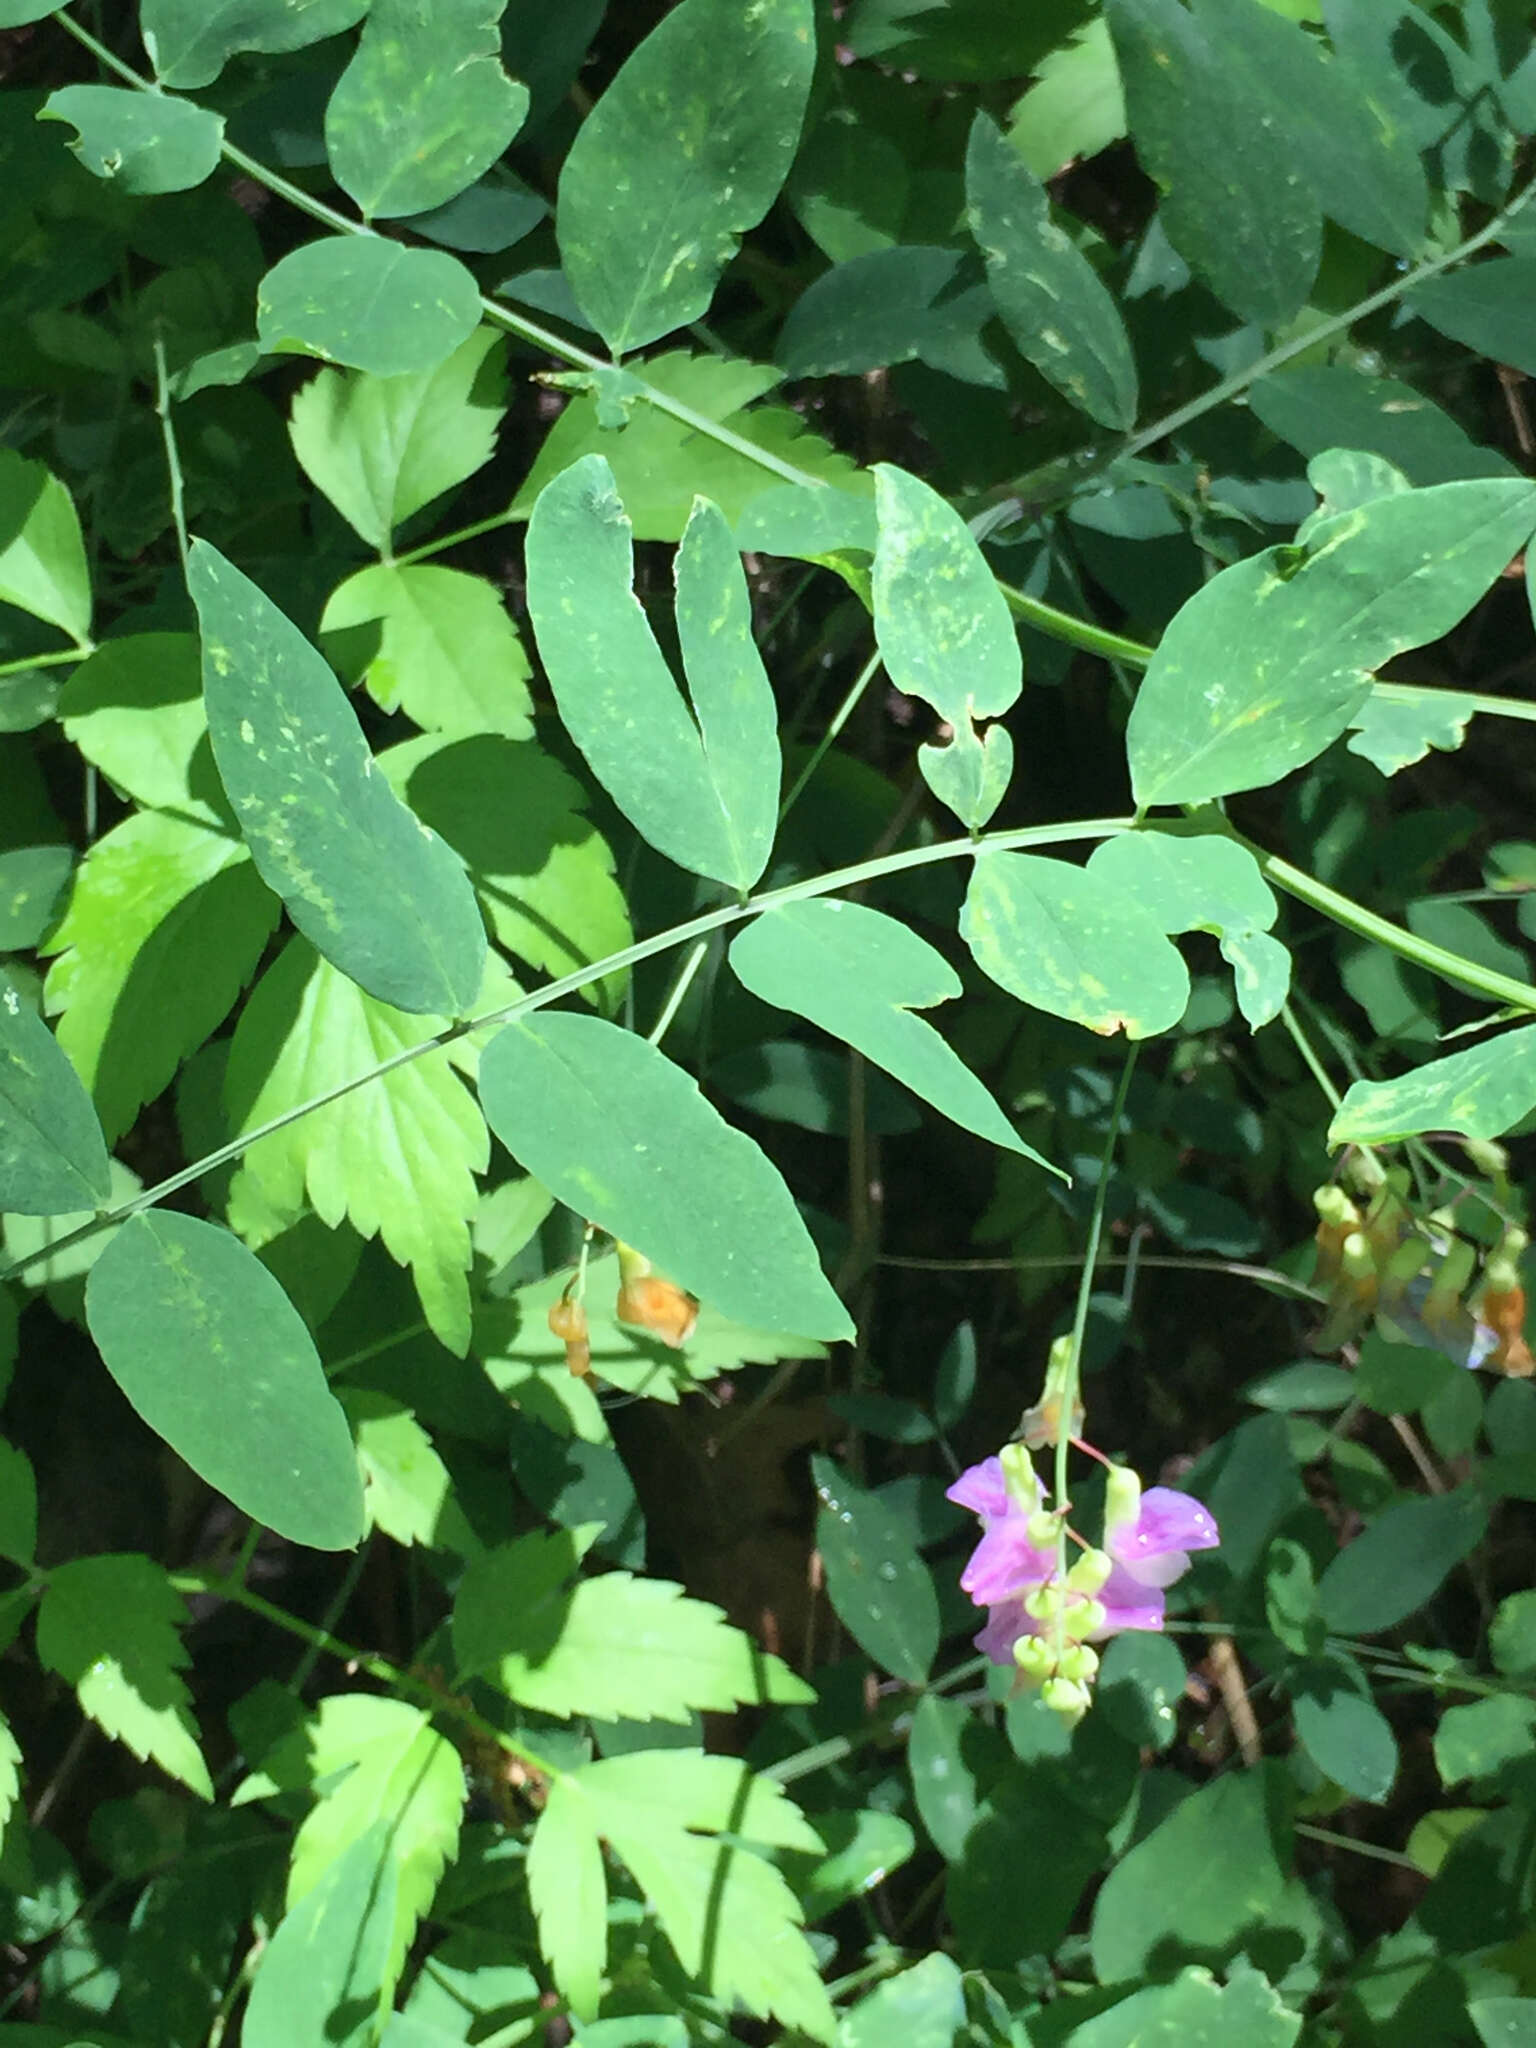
165,923
1480,1093
613,1646
861,975
683,153
383,447
1052,302
135,709
1236,204
10,1771
1272,659
568,1890
704,794
369,303
110,1627
543,872
383,898
383,1764
624,1138
216,1359
407,1491
1064,941
396,1159
190,41
434,643
325,1975
52,1157
1075,107
145,142
424,106
42,557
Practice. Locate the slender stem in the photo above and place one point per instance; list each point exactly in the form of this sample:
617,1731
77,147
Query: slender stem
676,995
1373,1850
1305,1047
573,983
838,720
1235,1269
445,541
1059,625
172,453
1459,703
60,658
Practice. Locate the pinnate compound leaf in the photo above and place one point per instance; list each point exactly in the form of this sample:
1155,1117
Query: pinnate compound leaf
424,107
1063,940
145,142
881,1589
135,709
190,41
217,1360
377,893
1236,202
624,1138
614,1646
730,1917
383,1763
861,975
326,1973
434,643
111,1628
1480,1093
1052,302
1400,1562
543,872
53,1160
683,153
1272,659
369,303
704,794
396,1159
165,924
382,447
1486,307
42,557
660,465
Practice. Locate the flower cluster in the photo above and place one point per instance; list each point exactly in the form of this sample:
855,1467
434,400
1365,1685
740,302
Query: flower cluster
1042,1614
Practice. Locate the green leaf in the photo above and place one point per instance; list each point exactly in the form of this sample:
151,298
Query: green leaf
1512,1637
381,896
660,465
406,1486
705,795
882,1591
396,1159
1343,1730
18,1508
10,1772
613,1646
382,447
190,41
1075,106
52,1158
1236,202
111,1628
1503,2022
145,142
1061,939
923,2007
859,1849
424,107
135,709
434,643
683,153
369,303
165,924
568,1890
1196,2012
1050,296
1479,1740
1398,1564
33,879
325,1974
729,1916
216,1359
1317,407
860,975
1272,659
1480,1093
1484,306
1393,732
624,1138
898,305
380,1761
42,557
952,1756
1208,1879
543,872
1141,1682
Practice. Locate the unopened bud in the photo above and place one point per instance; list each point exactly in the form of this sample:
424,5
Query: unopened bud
1035,1659
1068,1699
1043,1603
1091,1572
1043,1529
568,1321
1084,1618
1079,1663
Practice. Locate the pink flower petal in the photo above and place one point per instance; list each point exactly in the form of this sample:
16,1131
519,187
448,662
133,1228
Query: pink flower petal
1128,1605
1005,1624
982,1489
1004,1562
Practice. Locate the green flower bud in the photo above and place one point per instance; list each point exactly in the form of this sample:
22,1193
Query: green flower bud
1091,1572
1066,1698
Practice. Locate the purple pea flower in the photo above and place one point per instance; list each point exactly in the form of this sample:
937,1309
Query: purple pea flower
1148,1537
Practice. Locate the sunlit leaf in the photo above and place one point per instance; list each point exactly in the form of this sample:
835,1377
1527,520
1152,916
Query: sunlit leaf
683,153
42,557
1480,1093
52,1157
135,709
217,1360
326,1973
369,303
434,643
190,41
145,142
